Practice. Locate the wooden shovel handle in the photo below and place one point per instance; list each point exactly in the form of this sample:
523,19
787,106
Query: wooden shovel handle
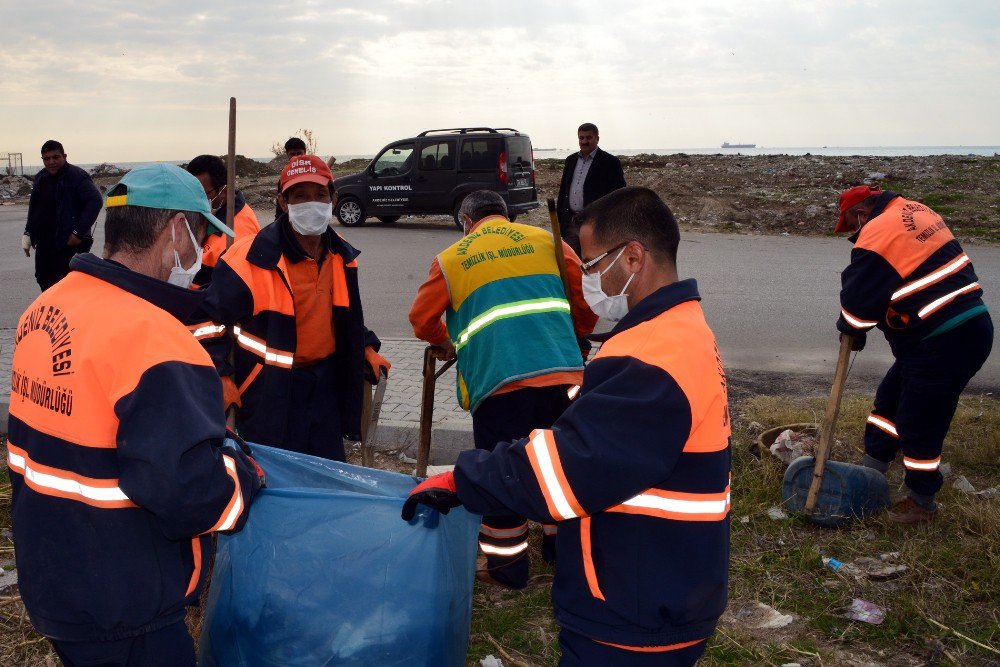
829,421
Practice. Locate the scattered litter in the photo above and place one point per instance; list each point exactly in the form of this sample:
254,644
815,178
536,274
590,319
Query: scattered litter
755,427
437,470
790,445
964,485
878,569
490,661
865,611
744,519
832,563
791,664
945,469
865,567
406,459
777,514
759,616
988,494
785,234
876,176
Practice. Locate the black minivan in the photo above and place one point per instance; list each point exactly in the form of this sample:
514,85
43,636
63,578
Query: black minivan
431,174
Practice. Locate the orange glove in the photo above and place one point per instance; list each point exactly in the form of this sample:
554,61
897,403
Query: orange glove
230,394
375,362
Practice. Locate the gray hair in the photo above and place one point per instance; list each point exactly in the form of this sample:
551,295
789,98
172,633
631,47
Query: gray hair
481,203
134,229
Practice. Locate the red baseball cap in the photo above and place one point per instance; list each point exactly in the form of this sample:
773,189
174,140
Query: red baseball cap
305,169
853,197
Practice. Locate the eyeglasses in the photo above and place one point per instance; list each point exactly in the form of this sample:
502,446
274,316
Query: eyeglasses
587,266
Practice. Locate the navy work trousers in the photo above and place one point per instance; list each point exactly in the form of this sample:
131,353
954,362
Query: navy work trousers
313,425
171,646
578,650
917,399
504,418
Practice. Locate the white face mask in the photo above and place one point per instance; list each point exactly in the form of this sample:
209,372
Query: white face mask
179,275
611,308
310,218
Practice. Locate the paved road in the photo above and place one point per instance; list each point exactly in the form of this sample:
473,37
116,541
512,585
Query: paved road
772,300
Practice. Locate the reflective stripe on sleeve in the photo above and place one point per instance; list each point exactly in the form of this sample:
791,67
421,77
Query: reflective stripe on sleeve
937,304
503,533
855,322
931,278
208,331
544,458
235,506
269,355
923,466
678,506
103,493
884,424
503,551
573,391
515,309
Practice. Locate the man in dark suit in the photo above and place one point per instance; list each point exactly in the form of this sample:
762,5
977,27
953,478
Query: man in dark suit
587,176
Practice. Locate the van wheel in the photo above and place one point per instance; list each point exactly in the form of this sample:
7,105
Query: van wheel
388,219
351,212
512,217
455,216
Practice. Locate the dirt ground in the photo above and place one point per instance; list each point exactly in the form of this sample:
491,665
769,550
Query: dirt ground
764,194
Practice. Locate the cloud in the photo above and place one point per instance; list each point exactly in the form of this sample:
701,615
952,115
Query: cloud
652,74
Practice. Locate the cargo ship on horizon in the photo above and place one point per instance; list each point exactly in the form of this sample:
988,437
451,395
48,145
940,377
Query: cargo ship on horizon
726,144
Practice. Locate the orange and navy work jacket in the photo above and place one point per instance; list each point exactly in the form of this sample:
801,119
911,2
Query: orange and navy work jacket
636,474
908,275
115,455
244,224
249,310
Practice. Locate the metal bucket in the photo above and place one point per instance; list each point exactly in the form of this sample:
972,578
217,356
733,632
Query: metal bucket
848,491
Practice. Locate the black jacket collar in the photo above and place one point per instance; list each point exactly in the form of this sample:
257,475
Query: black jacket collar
177,301
655,304
270,244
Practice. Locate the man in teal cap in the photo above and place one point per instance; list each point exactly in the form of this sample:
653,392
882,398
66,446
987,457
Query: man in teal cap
118,458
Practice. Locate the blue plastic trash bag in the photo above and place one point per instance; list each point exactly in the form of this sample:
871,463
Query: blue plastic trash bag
848,491
326,573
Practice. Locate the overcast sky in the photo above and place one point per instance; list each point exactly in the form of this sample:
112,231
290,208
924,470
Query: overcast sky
132,81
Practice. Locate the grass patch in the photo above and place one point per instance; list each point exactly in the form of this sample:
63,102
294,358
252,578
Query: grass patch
953,565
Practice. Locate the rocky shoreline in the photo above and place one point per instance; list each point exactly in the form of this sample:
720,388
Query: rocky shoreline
762,194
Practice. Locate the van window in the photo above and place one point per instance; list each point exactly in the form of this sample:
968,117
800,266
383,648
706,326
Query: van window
436,156
479,155
519,150
394,161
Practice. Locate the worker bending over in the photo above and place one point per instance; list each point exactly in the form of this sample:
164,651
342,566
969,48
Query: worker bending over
516,334
636,471
909,277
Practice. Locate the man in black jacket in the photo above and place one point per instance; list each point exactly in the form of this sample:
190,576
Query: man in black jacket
63,207
587,176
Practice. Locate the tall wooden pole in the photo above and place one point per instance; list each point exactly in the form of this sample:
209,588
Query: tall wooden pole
231,170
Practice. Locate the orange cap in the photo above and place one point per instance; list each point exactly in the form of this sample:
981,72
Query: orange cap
853,197
305,169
